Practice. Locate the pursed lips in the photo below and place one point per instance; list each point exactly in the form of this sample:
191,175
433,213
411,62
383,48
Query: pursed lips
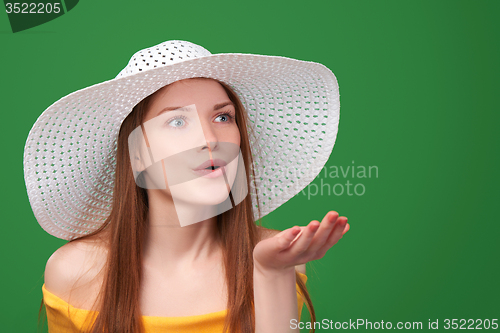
211,164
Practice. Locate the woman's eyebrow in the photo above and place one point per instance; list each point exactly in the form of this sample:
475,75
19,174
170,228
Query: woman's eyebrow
183,108
221,105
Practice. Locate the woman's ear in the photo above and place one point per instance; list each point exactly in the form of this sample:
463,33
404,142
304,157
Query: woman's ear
138,151
138,164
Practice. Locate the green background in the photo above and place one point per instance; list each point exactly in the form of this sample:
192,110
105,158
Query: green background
417,89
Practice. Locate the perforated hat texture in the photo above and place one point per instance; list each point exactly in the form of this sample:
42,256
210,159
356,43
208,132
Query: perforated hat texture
69,156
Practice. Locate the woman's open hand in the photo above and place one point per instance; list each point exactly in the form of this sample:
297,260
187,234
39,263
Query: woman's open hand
299,245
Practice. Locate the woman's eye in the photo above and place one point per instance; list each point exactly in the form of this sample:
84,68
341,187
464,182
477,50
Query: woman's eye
223,118
177,122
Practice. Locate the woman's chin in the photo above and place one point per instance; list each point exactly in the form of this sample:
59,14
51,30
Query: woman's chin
203,197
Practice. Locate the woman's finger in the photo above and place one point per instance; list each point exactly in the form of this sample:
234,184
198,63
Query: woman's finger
324,231
335,235
287,237
346,229
282,233
298,235
302,243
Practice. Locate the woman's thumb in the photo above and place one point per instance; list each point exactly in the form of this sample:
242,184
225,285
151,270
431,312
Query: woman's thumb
288,237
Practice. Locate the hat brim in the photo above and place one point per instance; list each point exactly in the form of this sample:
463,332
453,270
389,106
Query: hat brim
293,107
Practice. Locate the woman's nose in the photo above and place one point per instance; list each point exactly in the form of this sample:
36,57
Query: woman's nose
210,137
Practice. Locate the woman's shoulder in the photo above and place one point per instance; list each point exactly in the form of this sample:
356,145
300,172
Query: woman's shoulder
75,270
265,233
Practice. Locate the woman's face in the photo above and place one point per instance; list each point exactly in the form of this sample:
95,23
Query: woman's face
193,140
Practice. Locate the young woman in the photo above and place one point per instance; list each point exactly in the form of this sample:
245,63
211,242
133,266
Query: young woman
134,262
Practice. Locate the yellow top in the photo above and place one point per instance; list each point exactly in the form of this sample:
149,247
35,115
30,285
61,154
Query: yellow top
63,317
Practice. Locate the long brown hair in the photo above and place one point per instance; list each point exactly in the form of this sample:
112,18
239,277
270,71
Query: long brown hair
118,299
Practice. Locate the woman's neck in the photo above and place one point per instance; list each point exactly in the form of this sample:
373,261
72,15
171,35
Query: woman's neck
173,247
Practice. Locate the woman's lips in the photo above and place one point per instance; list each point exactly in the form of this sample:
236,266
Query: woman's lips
211,162
208,173
210,168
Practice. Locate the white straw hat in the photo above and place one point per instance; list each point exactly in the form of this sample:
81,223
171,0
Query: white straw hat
293,107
